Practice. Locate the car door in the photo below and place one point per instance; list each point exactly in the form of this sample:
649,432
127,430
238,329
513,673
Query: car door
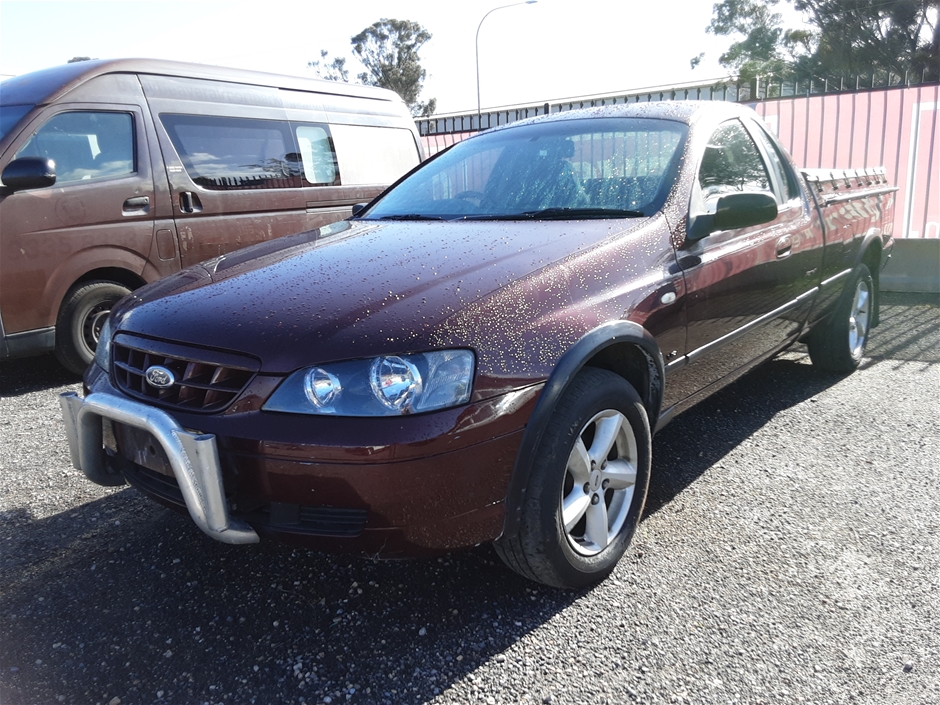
97,216
744,298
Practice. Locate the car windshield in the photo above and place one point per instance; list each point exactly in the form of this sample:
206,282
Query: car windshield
10,115
563,169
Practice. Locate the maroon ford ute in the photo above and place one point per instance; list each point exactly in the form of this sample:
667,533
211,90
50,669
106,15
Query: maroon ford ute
483,352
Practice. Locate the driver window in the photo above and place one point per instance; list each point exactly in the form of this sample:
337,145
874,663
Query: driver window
731,164
85,145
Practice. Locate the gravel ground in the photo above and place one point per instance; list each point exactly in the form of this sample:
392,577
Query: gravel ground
790,554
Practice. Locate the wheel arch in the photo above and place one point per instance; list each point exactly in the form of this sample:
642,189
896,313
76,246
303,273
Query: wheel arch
870,254
124,277
622,347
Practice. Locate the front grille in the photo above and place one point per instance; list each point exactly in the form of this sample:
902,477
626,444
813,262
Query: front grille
314,521
199,385
153,483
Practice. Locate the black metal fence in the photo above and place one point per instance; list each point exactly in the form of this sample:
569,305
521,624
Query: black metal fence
759,89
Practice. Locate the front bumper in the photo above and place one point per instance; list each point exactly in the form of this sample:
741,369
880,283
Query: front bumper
396,486
193,457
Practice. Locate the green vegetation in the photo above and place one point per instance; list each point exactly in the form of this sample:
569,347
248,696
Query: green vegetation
388,50
841,38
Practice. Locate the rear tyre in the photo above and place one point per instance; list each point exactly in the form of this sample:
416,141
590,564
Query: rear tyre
588,485
83,312
839,344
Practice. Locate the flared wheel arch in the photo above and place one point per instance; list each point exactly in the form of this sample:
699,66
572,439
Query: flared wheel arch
623,347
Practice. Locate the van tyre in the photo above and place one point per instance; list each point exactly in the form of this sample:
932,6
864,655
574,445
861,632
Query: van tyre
83,312
587,487
839,344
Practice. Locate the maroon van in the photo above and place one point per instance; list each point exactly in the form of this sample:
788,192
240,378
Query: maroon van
117,173
483,352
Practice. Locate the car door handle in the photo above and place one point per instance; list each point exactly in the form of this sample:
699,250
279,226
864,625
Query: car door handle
189,202
784,247
139,204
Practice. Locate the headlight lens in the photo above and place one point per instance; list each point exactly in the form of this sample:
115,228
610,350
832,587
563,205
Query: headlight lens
391,385
395,382
103,351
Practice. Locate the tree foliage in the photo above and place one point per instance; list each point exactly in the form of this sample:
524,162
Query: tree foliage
334,70
388,49
841,37
76,59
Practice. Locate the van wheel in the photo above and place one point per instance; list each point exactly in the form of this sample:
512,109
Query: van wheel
83,312
588,485
838,345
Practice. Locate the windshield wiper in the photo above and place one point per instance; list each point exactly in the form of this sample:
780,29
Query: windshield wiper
561,214
410,216
565,213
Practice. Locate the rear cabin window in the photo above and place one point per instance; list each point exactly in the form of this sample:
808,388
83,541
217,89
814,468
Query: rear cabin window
85,145
785,176
226,153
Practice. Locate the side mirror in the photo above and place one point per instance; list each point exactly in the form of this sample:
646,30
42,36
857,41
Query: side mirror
358,208
735,210
28,172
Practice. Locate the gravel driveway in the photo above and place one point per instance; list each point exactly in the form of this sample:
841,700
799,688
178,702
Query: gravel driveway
790,554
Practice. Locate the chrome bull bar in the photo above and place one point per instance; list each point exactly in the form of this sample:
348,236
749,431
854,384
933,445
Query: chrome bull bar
193,457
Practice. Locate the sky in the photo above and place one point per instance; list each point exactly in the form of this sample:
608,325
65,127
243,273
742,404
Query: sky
528,53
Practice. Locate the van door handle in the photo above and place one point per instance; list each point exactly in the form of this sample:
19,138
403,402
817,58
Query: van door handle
189,202
784,247
134,206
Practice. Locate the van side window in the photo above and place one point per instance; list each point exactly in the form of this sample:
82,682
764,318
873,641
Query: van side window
229,153
85,145
732,163
373,155
316,154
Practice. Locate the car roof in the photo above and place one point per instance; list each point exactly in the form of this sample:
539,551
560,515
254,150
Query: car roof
686,111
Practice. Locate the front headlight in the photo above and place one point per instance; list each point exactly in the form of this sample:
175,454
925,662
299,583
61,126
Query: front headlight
392,385
103,351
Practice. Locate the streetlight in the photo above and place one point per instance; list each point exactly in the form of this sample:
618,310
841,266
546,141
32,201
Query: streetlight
501,7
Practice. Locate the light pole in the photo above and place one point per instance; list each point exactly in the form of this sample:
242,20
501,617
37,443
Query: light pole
501,7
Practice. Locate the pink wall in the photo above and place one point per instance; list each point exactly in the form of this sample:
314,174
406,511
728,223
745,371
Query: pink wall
897,128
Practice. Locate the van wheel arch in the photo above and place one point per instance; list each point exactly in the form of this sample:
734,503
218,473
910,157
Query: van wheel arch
82,311
622,347
124,277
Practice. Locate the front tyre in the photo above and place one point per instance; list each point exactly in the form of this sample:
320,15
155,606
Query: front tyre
588,485
83,312
839,344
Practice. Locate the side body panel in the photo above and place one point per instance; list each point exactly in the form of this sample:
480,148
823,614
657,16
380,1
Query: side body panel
213,221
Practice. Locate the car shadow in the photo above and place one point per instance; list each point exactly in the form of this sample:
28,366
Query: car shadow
908,334
699,438
154,604
33,374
